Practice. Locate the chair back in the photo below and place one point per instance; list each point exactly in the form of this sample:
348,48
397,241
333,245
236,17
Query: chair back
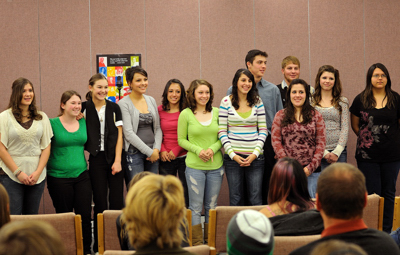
373,212
107,230
396,214
218,224
68,225
286,244
199,250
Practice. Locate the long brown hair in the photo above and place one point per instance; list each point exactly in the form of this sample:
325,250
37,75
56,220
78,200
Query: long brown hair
252,95
182,99
4,206
306,111
336,90
190,94
16,97
92,81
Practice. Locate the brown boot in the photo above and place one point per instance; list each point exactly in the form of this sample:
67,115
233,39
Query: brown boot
205,233
197,235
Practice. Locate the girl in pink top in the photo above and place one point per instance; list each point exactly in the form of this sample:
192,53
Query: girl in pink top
298,131
172,155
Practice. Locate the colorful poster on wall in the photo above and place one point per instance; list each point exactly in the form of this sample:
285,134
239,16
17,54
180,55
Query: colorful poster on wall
113,67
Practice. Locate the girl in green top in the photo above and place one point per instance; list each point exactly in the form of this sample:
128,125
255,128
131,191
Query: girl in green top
68,180
198,134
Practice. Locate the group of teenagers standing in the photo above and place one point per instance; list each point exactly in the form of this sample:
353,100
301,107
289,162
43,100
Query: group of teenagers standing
256,124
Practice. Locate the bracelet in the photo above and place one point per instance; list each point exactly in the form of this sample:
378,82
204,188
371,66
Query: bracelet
16,172
19,172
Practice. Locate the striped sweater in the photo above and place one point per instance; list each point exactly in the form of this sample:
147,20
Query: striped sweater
242,136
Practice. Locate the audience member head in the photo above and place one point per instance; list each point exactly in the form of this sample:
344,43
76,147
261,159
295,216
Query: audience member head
174,86
290,68
341,192
289,183
22,93
4,206
138,177
337,247
244,75
65,97
154,211
92,81
193,95
250,232
30,238
130,73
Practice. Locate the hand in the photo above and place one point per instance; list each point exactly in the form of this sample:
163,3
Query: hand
203,156
250,159
306,171
171,155
80,116
333,158
165,156
241,161
24,178
33,178
210,153
154,157
116,167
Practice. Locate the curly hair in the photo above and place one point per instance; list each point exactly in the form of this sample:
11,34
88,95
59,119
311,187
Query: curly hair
307,111
191,101
252,95
367,96
336,90
17,88
182,99
154,211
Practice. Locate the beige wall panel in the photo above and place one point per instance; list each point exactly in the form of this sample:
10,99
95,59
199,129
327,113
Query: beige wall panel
64,50
172,43
19,54
226,37
117,27
336,38
281,29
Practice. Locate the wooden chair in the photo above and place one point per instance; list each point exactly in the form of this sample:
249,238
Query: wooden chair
373,212
68,225
107,230
200,250
285,244
396,213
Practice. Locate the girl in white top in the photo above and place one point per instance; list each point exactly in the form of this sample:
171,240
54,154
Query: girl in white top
25,135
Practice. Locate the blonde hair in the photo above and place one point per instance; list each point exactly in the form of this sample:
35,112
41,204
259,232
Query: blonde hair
154,211
4,206
337,247
30,238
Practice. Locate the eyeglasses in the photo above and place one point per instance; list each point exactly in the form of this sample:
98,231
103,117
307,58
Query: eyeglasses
379,76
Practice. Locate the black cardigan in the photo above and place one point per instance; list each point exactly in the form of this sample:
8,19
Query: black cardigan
112,114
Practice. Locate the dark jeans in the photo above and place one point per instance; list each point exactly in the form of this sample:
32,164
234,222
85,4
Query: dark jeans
269,163
136,163
381,179
108,189
176,166
24,199
69,194
237,175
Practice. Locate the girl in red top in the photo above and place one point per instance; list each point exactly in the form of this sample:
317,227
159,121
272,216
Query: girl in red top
172,155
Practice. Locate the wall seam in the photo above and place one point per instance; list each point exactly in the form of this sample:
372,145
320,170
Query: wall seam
365,63
309,39
145,37
200,39
90,42
40,69
254,24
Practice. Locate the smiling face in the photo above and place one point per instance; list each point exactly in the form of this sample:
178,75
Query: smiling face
298,95
244,84
327,81
258,67
27,95
72,107
291,72
378,79
174,94
139,83
202,95
99,90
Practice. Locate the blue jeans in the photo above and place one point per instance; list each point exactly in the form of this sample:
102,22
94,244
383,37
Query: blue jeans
313,178
237,175
204,186
137,163
381,179
396,236
24,199
177,165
